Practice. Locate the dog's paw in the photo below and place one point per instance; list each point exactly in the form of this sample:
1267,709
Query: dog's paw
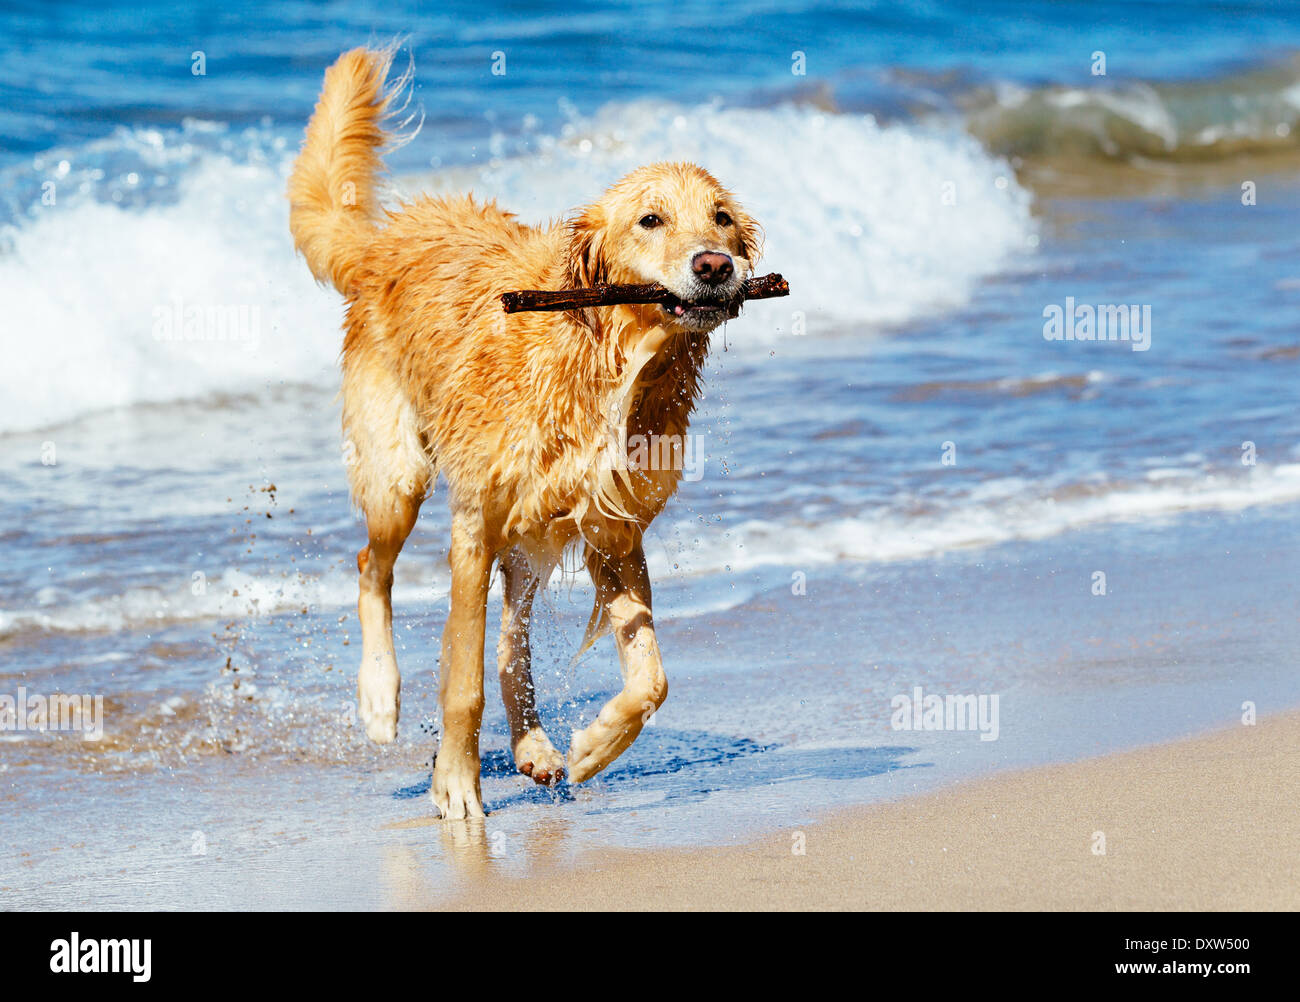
537,758
592,749
455,792
381,728
379,700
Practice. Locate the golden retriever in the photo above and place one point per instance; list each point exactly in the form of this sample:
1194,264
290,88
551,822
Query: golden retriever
526,416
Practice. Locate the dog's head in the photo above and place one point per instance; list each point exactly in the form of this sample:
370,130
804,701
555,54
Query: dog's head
674,224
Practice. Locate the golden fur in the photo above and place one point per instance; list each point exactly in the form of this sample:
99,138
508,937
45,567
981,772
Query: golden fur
525,416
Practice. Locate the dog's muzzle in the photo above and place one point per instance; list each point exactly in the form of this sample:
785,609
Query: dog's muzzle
716,293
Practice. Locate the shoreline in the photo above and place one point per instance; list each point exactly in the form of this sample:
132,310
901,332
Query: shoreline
778,724
1202,823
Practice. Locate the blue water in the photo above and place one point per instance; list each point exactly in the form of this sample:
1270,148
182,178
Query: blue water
71,72
146,558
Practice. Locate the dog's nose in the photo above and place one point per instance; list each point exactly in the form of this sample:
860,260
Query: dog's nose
711,268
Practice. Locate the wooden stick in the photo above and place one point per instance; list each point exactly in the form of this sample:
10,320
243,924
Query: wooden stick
766,287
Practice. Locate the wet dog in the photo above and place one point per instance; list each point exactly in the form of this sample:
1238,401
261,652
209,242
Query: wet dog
526,416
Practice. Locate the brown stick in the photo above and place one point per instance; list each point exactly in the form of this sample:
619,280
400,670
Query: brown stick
766,287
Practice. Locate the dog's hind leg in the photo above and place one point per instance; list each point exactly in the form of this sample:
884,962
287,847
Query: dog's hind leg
623,585
389,472
379,682
535,756
455,787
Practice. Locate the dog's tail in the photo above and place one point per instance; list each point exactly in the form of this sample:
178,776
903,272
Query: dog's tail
333,206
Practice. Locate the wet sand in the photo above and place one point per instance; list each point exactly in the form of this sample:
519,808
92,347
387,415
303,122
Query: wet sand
1204,823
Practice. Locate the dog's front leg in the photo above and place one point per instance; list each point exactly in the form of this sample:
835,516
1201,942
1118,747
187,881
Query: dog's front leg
456,772
624,587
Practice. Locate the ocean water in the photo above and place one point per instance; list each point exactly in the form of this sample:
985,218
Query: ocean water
176,525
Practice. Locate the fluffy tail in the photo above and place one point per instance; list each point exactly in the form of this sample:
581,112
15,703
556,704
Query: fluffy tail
332,202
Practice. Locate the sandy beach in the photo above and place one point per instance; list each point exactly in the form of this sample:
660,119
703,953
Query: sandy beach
1208,823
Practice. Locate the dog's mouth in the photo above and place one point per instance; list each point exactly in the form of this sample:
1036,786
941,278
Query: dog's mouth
699,311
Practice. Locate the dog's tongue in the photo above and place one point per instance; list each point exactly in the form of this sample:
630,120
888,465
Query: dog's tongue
679,310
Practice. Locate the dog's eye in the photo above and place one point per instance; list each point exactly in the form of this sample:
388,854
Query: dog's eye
651,221
722,219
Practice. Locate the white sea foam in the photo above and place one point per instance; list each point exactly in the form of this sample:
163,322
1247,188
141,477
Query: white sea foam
685,549
986,518
88,282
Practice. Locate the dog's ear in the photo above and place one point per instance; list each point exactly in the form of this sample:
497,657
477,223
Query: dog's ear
586,252
750,234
